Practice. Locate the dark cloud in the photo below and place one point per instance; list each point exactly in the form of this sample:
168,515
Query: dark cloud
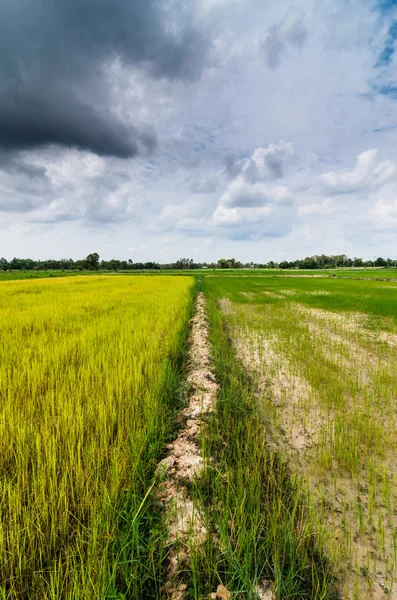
273,49
275,166
14,164
28,122
53,83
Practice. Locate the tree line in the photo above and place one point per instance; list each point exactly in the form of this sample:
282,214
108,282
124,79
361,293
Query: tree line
92,262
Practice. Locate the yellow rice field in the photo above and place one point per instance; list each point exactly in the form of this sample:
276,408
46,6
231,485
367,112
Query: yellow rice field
85,364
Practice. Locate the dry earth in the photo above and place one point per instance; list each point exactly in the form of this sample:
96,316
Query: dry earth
184,459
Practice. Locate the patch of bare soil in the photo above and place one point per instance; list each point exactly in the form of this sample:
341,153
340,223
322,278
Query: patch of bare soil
184,460
291,395
272,295
348,320
388,338
318,293
265,590
288,292
317,276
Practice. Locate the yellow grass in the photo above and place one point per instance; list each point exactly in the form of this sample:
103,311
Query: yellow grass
82,368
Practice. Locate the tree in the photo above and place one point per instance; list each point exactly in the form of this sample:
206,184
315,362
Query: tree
183,263
380,262
284,264
92,261
223,263
229,263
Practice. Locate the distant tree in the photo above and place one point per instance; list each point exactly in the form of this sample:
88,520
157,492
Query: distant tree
223,263
92,261
380,262
22,264
340,260
229,263
183,263
113,265
308,263
151,265
79,265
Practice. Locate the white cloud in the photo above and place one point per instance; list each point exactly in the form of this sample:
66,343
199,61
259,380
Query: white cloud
267,163
245,195
253,206
384,215
325,207
289,32
367,174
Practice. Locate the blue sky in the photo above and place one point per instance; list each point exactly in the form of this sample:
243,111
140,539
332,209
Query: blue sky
204,129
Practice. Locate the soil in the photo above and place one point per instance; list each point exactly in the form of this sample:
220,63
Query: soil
184,460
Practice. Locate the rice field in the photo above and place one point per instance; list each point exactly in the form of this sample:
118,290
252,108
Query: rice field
322,354
296,496
90,371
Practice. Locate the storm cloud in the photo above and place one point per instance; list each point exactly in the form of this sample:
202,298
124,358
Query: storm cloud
54,75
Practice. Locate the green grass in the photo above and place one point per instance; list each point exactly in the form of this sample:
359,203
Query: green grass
376,298
324,351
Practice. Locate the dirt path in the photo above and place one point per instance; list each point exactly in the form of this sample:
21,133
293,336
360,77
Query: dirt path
184,460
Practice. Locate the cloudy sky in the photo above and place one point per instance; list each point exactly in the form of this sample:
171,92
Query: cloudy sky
160,129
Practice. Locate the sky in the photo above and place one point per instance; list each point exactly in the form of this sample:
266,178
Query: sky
161,129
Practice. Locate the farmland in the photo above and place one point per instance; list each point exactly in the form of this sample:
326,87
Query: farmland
322,356
378,273
89,383
296,492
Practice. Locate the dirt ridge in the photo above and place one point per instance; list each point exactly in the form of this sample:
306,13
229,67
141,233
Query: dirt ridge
184,460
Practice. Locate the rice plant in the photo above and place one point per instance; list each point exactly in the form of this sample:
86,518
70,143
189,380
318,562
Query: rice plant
323,352
89,386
